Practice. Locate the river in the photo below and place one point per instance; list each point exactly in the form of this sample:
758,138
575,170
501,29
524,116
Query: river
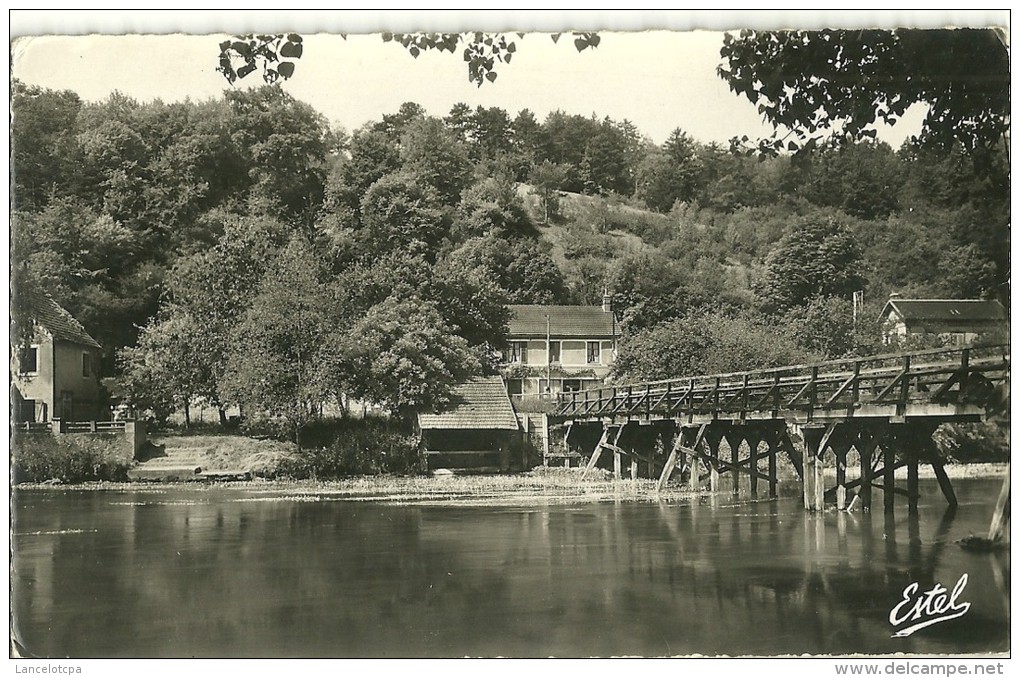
231,572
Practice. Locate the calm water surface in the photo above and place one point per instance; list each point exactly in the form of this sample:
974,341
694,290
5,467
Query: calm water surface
242,573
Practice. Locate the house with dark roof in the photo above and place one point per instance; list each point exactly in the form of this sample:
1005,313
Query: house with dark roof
476,430
56,376
959,321
555,349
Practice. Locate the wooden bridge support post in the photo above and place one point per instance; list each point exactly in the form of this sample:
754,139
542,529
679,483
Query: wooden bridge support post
841,452
697,458
913,491
931,453
672,440
694,477
819,484
1000,517
733,440
889,474
752,443
773,454
812,471
866,444
713,463
617,465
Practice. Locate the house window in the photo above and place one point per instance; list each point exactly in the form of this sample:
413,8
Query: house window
594,353
554,351
571,385
86,365
519,352
27,411
29,360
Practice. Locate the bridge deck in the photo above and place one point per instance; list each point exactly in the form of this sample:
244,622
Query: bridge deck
949,384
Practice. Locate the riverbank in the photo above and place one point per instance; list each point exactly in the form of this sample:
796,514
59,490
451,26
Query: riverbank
540,486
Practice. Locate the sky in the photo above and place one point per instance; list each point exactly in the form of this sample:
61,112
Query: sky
657,79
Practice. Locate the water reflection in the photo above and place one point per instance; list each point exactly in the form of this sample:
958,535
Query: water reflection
232,573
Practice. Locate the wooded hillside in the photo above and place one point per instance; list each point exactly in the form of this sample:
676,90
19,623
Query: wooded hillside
243,251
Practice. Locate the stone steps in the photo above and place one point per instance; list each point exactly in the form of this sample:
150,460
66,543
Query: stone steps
176,463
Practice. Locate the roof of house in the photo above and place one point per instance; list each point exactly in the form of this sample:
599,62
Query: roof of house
479,403
955,310
58,322
530,320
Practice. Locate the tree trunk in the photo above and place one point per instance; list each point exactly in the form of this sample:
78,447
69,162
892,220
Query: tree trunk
187,414
223,415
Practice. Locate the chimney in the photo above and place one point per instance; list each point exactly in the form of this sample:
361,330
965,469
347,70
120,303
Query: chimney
607,301
894,295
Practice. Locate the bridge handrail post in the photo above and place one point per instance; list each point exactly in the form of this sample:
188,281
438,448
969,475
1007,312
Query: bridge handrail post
573,402
778,397
964,368
905,384
812,390
855,388
747,395
718,383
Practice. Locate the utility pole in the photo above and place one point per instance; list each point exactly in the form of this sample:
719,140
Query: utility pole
548,354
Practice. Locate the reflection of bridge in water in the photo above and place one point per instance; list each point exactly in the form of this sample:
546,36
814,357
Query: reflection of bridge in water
879,411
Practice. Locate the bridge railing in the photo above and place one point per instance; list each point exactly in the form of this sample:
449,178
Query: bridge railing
941,376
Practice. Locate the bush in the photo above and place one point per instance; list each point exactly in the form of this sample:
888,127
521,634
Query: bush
67,458
984,442
354,447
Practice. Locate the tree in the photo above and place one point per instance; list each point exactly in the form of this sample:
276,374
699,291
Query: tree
430,152
649,288
285,143
566,138
548,179
525,272
44,149
705,344
273,364
604,167
372,155
819,257
91,265
401,212
493,204
846,80
168,366
826,326
405,357
394,125
862,179
243,55
671,174
216,287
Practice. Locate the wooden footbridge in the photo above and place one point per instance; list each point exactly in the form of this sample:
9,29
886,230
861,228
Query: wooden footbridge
884,408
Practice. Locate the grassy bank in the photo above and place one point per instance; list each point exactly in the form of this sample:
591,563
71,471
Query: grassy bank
38,457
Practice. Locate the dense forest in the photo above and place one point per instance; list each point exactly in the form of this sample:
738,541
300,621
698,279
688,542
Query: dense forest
242,251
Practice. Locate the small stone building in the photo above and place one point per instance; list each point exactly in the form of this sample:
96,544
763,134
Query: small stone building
476,432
